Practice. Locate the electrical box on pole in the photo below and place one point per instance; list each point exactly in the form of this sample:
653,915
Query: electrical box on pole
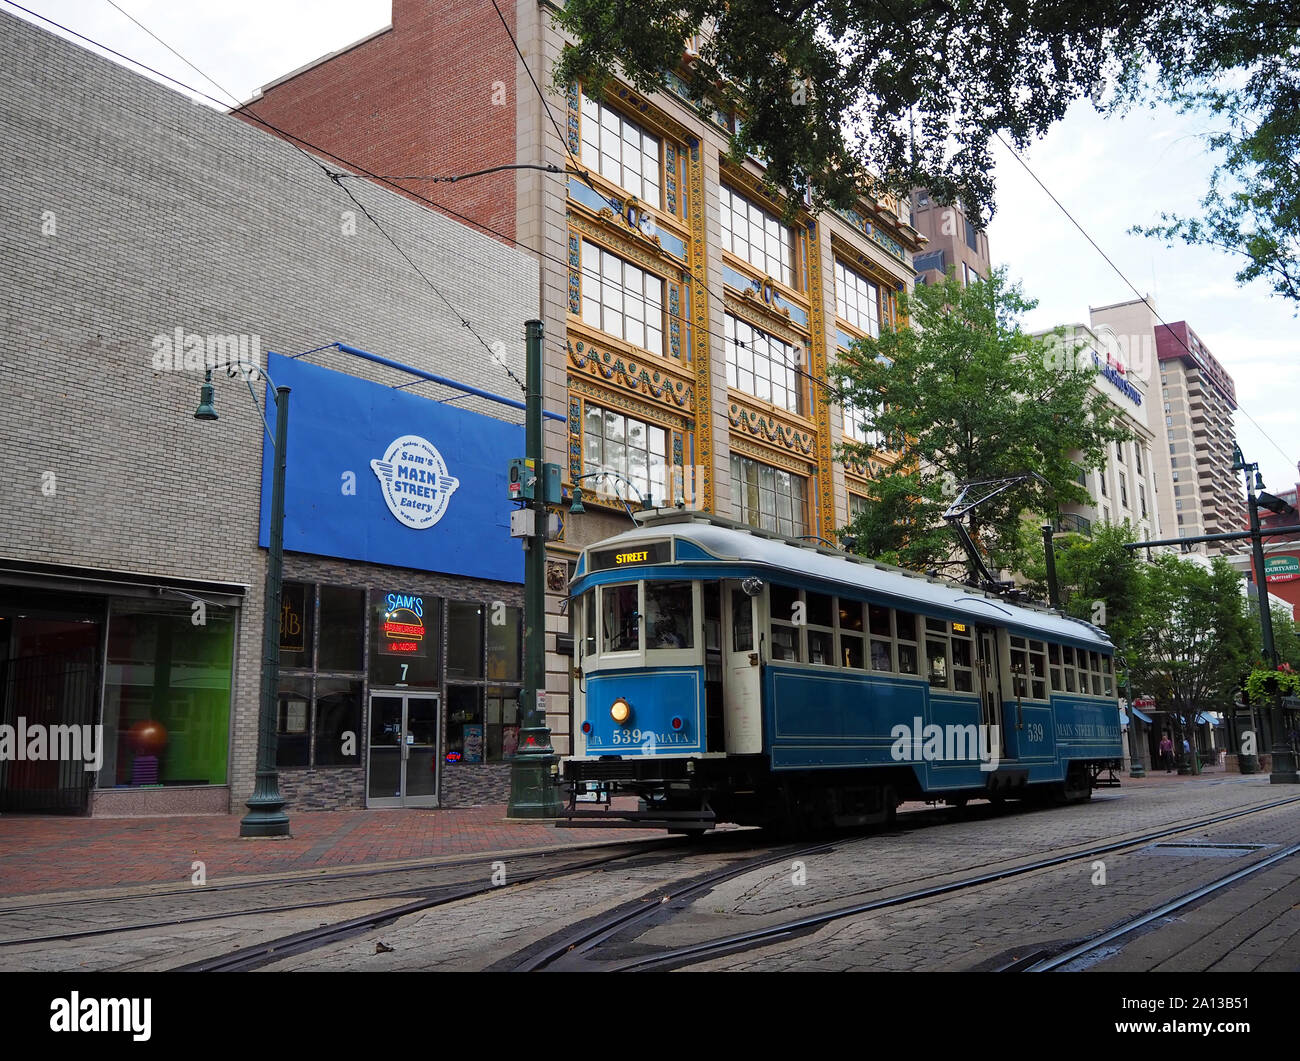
523,480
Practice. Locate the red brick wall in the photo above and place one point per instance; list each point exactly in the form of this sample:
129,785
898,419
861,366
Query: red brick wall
418,100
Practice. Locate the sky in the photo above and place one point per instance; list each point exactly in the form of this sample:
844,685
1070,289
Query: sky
1110,173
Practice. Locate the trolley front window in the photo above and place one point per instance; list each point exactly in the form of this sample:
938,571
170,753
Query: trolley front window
669,615
620,619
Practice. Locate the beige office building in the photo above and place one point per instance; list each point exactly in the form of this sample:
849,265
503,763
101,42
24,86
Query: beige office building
1194,399
1126,487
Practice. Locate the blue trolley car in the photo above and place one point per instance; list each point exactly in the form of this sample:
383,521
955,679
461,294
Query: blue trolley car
728,674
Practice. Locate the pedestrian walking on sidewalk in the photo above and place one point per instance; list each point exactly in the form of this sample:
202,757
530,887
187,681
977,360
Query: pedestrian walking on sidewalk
1167,753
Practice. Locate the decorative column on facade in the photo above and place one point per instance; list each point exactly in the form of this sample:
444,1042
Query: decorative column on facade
825,519
702,489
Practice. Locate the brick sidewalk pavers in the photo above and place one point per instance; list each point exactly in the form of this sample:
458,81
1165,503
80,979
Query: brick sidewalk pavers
43,854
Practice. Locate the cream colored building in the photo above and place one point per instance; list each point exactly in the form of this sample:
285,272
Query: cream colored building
1193,400
1126,487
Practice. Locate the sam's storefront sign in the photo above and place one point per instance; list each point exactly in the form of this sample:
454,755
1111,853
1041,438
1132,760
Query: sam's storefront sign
1282,569
401,631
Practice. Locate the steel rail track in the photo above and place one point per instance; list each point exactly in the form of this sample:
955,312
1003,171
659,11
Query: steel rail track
593,933
311,939
445,893
692,953
1093,943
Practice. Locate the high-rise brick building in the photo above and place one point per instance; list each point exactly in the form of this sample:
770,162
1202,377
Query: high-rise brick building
953,242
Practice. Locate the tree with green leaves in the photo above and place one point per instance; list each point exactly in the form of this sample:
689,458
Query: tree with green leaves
1240,67
1191,639
835,94
961,394
1101,581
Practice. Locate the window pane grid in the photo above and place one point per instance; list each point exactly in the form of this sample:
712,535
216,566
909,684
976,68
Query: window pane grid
857,300
613,442
621,151
769,497
761,365
751,233
622,299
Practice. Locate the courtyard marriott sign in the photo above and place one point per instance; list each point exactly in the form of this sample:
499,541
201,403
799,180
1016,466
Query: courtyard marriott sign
1281,569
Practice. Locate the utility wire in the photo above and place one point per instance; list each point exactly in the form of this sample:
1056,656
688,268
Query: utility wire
1016,155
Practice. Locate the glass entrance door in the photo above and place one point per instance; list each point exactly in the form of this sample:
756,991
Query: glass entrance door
403,750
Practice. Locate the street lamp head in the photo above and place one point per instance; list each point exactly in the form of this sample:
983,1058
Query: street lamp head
576,509
1259,481
1238,461
206,411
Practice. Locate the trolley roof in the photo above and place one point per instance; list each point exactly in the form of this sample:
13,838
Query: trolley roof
729,542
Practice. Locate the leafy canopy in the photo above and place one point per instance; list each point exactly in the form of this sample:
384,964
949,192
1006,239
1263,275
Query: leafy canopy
913,89
1240,66
837,95
962,394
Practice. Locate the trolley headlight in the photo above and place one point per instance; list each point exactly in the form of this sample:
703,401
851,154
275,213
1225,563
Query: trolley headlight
620,711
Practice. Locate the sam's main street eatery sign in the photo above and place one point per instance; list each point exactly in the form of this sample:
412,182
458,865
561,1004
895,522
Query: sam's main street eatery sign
389,477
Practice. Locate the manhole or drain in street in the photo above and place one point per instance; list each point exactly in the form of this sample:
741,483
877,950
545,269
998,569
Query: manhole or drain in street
1207,850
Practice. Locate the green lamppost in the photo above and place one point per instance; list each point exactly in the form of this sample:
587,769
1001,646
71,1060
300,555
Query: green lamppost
533,793
1284,761
266,816
1136,767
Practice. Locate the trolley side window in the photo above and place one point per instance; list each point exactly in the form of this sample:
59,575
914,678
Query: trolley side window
670,618
851,631
786,609
936,652
880,623
1038,669
908,655
819,628
963,658
1020,667
1067,654
742,621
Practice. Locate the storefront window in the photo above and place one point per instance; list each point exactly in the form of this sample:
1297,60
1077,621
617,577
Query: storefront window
465,736
167,695
293,740
342,629
464,640
502,723
297,624
503,644
338,722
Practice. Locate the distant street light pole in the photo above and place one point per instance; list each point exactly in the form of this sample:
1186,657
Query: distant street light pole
266,816
1284,764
